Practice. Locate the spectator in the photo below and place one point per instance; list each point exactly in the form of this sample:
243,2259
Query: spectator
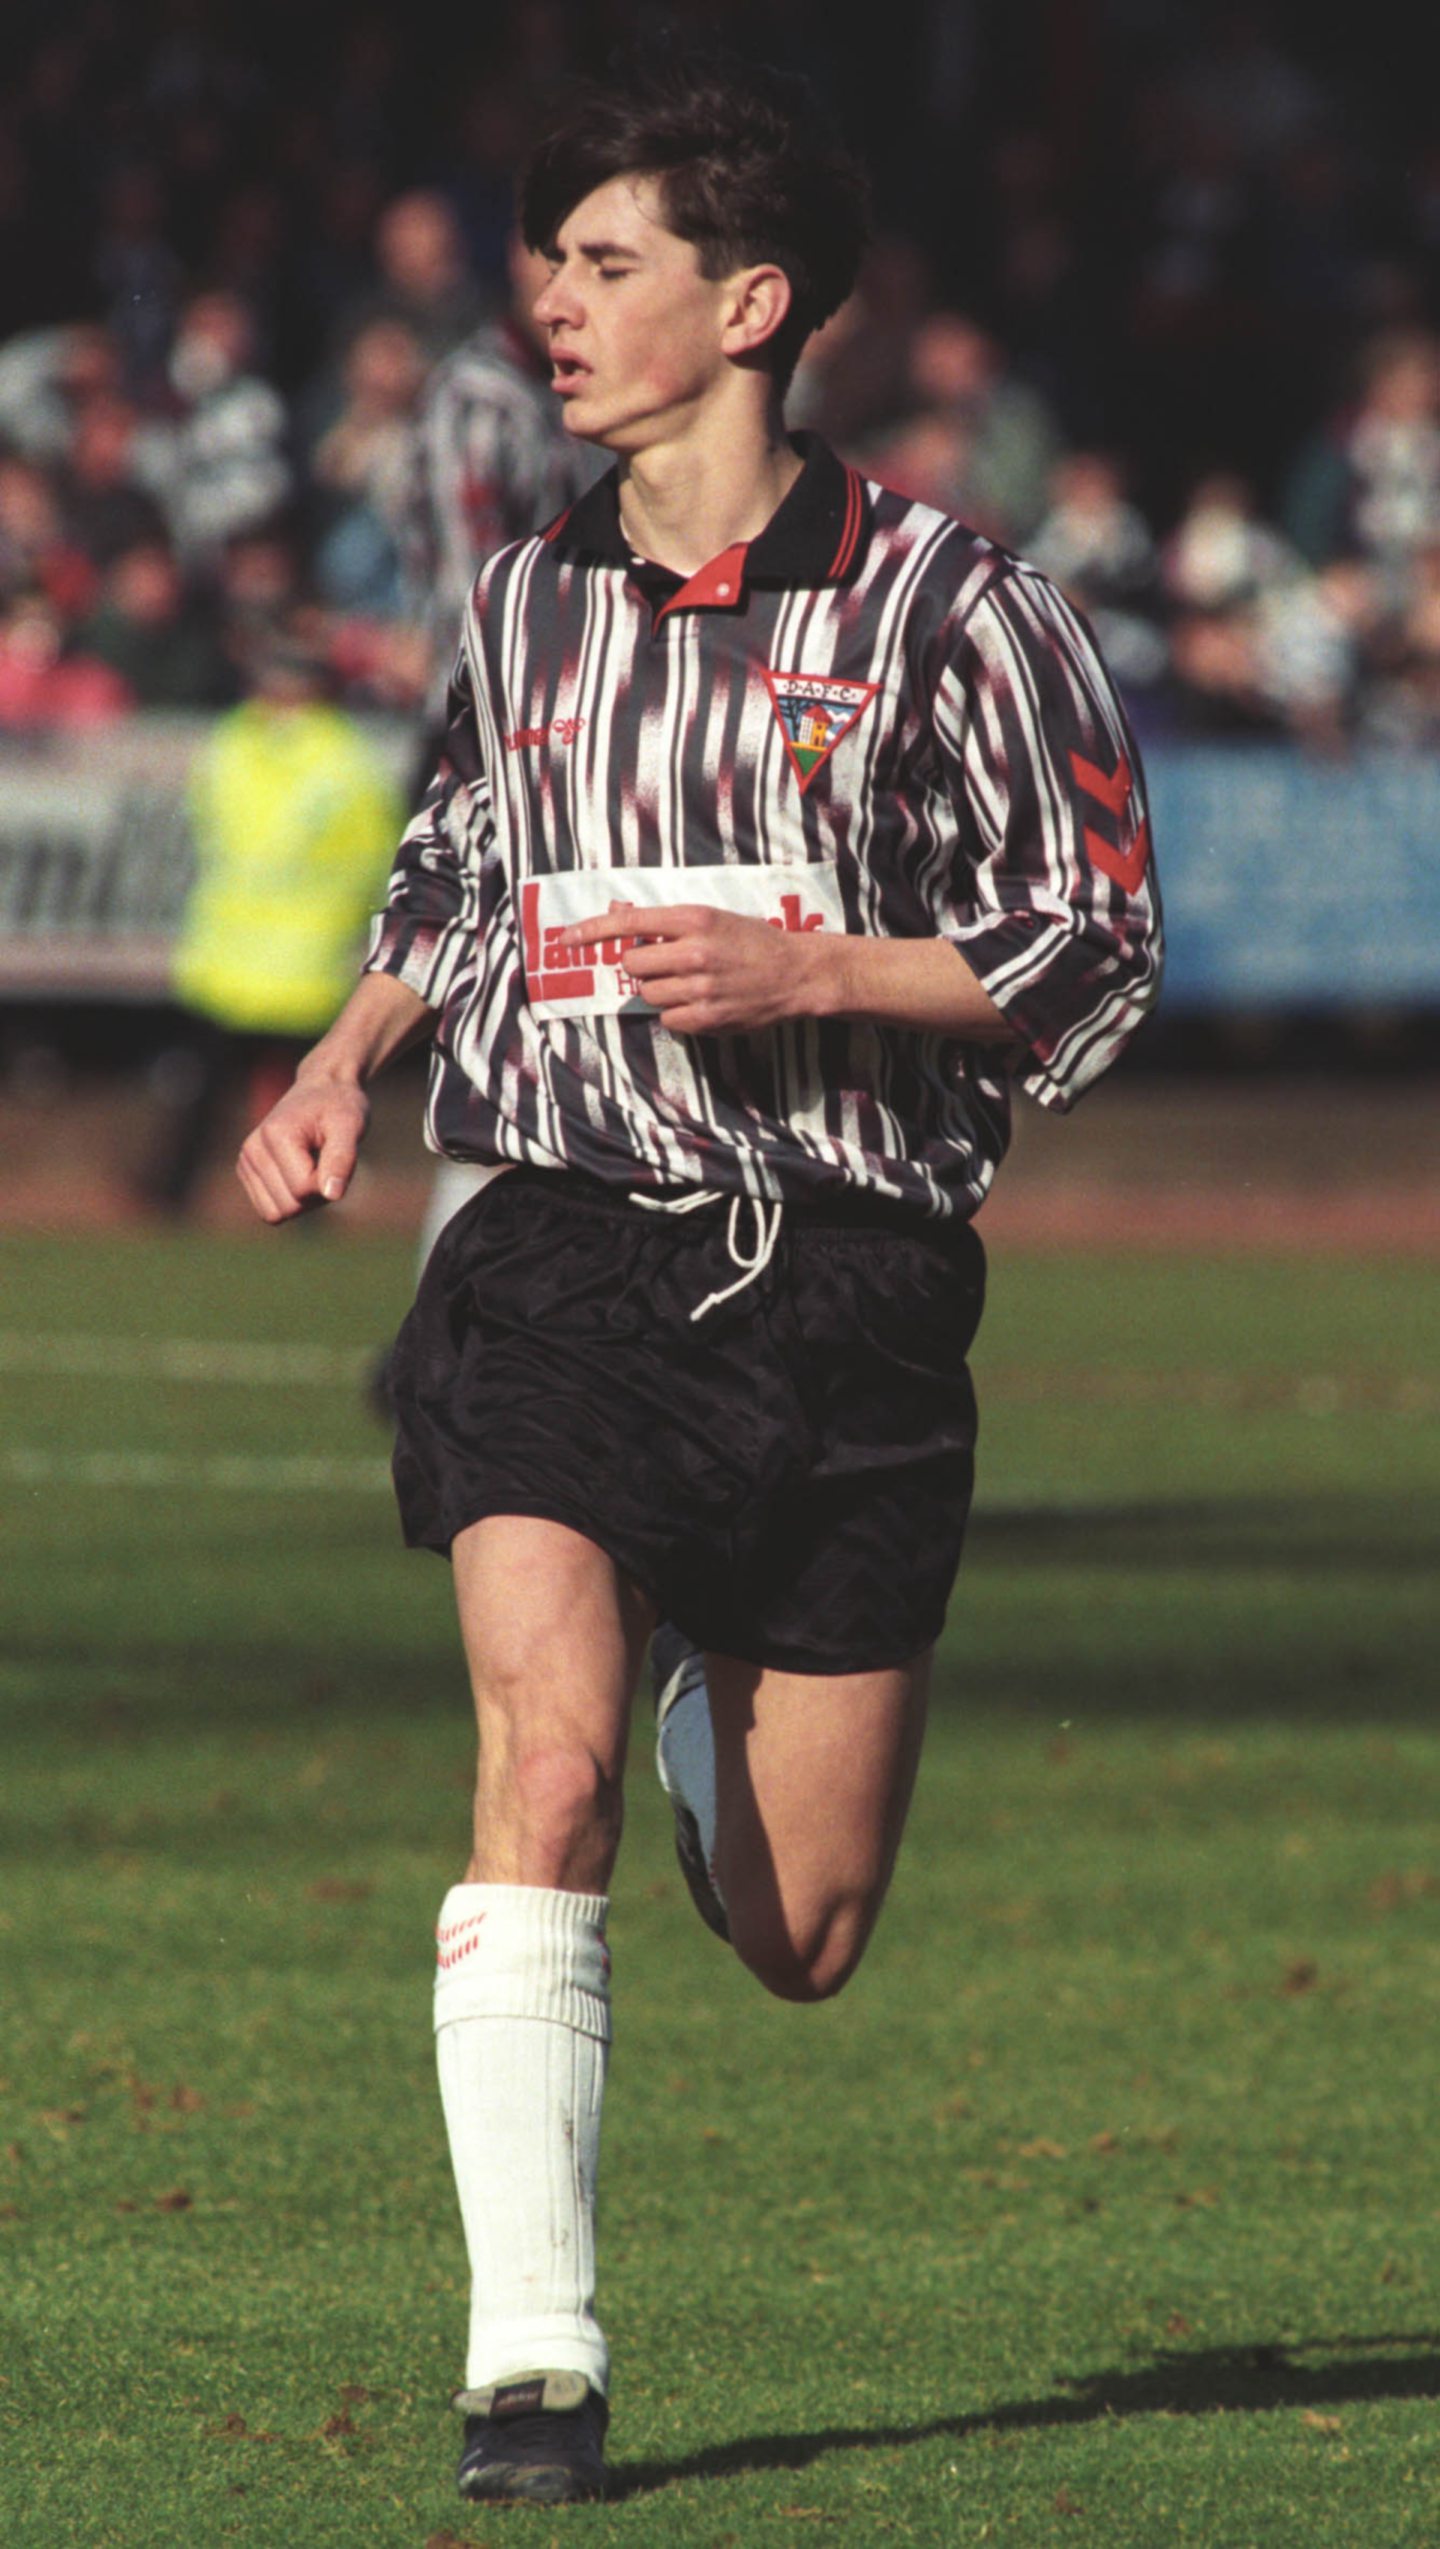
1368,484
491,461
360,473
423,276
979,443
853,378
34,554
1170,219
1310,638
1220,556
219,462
1259,643
44,682
295,822
256,583
47,376
159,638
103,507
1098,548
1401,706
1286,664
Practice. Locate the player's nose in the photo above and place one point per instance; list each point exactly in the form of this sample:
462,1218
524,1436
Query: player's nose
554,302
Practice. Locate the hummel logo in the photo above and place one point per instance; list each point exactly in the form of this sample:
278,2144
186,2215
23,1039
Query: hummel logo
563,729
1115,791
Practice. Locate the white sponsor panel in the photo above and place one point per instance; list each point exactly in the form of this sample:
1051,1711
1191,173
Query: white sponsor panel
575,982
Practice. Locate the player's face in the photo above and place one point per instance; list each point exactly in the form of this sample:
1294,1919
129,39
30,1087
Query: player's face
636,332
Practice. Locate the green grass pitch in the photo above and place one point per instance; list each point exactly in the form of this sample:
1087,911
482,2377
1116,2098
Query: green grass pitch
1104,2207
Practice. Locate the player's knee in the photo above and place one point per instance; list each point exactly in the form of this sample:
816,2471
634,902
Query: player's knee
563,1789
546,1810
802,1961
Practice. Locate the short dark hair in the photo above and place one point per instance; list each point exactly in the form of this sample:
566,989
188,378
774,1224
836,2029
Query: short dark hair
750,168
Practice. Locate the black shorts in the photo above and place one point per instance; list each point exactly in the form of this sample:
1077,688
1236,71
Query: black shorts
788,1477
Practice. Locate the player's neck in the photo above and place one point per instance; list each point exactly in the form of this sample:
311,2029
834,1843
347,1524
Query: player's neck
684,501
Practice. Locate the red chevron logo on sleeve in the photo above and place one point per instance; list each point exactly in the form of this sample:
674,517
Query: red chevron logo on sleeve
1115,793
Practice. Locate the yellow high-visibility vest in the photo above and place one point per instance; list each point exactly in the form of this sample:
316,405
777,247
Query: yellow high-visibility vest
295,822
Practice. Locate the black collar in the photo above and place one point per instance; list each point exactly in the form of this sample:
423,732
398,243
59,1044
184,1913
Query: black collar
816,536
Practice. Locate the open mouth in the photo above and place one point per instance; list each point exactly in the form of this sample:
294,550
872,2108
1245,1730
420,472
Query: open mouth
568,372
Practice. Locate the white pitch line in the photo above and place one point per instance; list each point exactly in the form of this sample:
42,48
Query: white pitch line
173,1358
257,1365
227,1473
301,1474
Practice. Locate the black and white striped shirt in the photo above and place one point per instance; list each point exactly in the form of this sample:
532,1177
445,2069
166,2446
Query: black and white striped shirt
490,462
867,718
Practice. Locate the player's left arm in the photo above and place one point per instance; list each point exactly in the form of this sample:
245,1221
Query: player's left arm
1052,898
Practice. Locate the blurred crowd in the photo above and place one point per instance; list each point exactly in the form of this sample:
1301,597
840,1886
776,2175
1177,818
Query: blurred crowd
1153,300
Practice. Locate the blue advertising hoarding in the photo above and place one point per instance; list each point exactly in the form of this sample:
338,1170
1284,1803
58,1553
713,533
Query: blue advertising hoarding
1292,881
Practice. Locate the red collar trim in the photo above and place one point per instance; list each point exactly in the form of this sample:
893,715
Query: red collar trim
717,586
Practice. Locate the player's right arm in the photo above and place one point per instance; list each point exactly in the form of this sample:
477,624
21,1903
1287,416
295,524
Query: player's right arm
421,945
304,1151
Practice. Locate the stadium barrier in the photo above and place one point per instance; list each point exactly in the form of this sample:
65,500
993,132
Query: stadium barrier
1297,882
1289,882
96,855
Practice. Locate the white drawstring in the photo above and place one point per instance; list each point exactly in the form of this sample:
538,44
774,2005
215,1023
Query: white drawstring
767,1231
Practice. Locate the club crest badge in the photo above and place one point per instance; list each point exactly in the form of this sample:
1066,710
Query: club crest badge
814,714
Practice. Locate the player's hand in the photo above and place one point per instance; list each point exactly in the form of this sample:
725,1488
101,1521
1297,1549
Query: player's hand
303,1153
711,972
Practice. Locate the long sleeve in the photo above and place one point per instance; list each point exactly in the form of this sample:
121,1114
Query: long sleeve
1058,912
428,933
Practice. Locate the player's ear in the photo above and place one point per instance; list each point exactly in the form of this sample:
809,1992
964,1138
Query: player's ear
759,300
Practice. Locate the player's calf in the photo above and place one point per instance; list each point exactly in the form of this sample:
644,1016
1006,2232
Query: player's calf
799,1956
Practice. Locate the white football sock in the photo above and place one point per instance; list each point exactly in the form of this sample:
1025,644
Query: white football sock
685,1757
522,2021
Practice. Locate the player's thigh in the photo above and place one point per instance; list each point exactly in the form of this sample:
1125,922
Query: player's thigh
554,1637
814,1777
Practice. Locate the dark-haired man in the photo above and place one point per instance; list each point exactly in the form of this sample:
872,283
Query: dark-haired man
782,824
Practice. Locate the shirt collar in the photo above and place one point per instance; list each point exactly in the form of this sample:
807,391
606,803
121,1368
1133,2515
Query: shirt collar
816,536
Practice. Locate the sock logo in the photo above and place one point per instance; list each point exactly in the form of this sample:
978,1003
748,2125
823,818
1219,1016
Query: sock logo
457,1942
